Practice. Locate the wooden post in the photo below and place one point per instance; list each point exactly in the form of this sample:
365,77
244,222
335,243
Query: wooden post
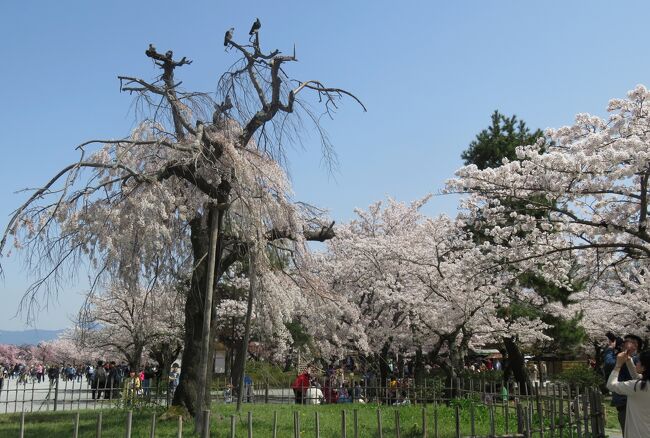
215,216
266,391
424,422
560,391
129,423
435,419
506,415
98,431
153,426
538,402
56,392
356,423
31,406
250,424
343,428
593,409
585,408
380,433
472,419
317,424
492,427
180,427
75,433
397,425
22,423
552,402
520,417
577,413
275,424
232,426
457,415
205,429
295,432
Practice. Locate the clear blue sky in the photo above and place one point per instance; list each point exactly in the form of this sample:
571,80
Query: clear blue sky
429,72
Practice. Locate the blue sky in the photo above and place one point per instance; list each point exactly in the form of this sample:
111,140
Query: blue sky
430,74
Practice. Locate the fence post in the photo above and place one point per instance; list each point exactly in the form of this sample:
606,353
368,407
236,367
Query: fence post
520,422
380,432
232,426
424,422
356,423
275,424
205,429
506,413
561,409
250,424
577,412
472,419
98,432
492,426
594,406
397,425
180,427
585,408
129,423
153,426
22,424
435,419
75,433
343,425
56,392
266,391
317,425
457,415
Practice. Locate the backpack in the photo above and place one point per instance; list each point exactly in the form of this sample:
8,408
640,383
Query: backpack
100,374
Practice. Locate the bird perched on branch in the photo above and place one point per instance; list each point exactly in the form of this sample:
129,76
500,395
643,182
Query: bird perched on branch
255,27
228,36
151,50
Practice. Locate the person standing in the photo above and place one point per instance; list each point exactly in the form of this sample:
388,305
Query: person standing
173,379
3,373
636,390
632,344
131,388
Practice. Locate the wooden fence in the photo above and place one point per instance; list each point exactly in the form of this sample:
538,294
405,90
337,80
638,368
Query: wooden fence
549,411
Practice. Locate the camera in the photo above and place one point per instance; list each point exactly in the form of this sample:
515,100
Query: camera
619,341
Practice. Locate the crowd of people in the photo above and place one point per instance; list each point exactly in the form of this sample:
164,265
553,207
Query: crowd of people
108,379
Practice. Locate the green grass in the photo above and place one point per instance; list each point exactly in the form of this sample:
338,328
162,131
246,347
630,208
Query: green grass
60,424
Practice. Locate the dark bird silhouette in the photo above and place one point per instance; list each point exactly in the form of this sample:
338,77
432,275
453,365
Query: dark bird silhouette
151,50
169,54
256,26
228,36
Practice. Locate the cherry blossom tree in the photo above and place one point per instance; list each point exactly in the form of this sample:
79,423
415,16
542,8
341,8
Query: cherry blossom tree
131,322
583,192
190,192
400,281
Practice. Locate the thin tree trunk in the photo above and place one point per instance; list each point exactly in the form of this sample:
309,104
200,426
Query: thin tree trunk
252,275
204,366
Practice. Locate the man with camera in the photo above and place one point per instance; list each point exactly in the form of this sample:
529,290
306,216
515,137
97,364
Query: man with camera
631,344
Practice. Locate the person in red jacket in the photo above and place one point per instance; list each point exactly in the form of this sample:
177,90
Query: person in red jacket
300,386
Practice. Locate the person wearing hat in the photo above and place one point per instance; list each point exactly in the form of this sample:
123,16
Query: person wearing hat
632,344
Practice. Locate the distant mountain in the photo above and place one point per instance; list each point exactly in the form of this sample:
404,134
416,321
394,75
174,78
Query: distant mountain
30,337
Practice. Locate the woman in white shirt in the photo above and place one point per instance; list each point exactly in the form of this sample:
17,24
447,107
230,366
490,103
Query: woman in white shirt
637,390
